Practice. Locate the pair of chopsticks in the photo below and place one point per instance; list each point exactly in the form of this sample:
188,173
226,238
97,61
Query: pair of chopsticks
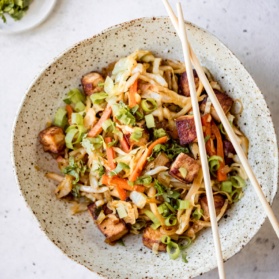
191,59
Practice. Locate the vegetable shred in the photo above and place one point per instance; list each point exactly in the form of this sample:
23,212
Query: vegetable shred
126,146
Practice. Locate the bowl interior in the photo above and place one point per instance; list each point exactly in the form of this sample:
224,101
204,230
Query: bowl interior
77,236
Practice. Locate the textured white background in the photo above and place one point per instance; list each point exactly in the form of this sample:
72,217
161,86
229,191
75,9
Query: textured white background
249,28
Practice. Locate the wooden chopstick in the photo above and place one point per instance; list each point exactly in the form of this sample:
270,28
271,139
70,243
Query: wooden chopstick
201,143
242,157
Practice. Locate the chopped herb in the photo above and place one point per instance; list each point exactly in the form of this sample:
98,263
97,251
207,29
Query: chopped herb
144,180
75,169
15,8
158,133
137,134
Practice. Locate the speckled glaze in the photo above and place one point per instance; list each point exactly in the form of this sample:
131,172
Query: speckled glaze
77,236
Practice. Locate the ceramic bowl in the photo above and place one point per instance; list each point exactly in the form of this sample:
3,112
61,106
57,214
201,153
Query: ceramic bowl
77,236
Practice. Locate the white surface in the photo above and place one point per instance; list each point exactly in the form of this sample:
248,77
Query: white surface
36,14
249,28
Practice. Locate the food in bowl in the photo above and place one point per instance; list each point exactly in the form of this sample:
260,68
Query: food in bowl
127,147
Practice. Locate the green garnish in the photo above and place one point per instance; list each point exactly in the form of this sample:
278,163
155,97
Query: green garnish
75,169
197,214
123,114
15,8
137,134
149,105
158,133
98,98
60,118
120,167
156,223
149,119
74,96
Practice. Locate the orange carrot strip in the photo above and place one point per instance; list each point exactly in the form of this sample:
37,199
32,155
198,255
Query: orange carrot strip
140,165
210,149
121,182
69,110
97,129
221,175
110,154
122,193
132,94
124,145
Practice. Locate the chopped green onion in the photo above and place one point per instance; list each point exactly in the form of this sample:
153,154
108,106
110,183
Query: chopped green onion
158,133
98,98
214,163
197,214
144,180
183,256
77,119
69,139
226,186
221,128
237,181
74,96
183,204
183,172
79,106
188,243
173,250
120,167
140,223
170,207
108,125
149,119
236,195
123,114
60,118
163,210
149,105
165,239
91,144
156,223
136,134
171,220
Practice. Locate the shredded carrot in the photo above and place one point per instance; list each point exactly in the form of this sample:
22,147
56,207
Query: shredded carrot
206,122
124,144
121,182
132,94
221,175
122,193
69,110
97,129
110,154
140,165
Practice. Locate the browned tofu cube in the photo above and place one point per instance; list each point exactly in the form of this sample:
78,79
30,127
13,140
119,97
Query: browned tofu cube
112,228
190,165
184,88
150,237
91,83
225,101
52,139
219,202
186,129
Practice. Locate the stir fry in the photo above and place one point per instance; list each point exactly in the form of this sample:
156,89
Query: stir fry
126,146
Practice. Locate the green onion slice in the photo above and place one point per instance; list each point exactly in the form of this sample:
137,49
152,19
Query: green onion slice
98,98
74,96
149,105
60,118
150,122
156,223
173,250
171,220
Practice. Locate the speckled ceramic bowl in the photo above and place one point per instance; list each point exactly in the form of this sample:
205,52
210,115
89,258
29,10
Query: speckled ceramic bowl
77,236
